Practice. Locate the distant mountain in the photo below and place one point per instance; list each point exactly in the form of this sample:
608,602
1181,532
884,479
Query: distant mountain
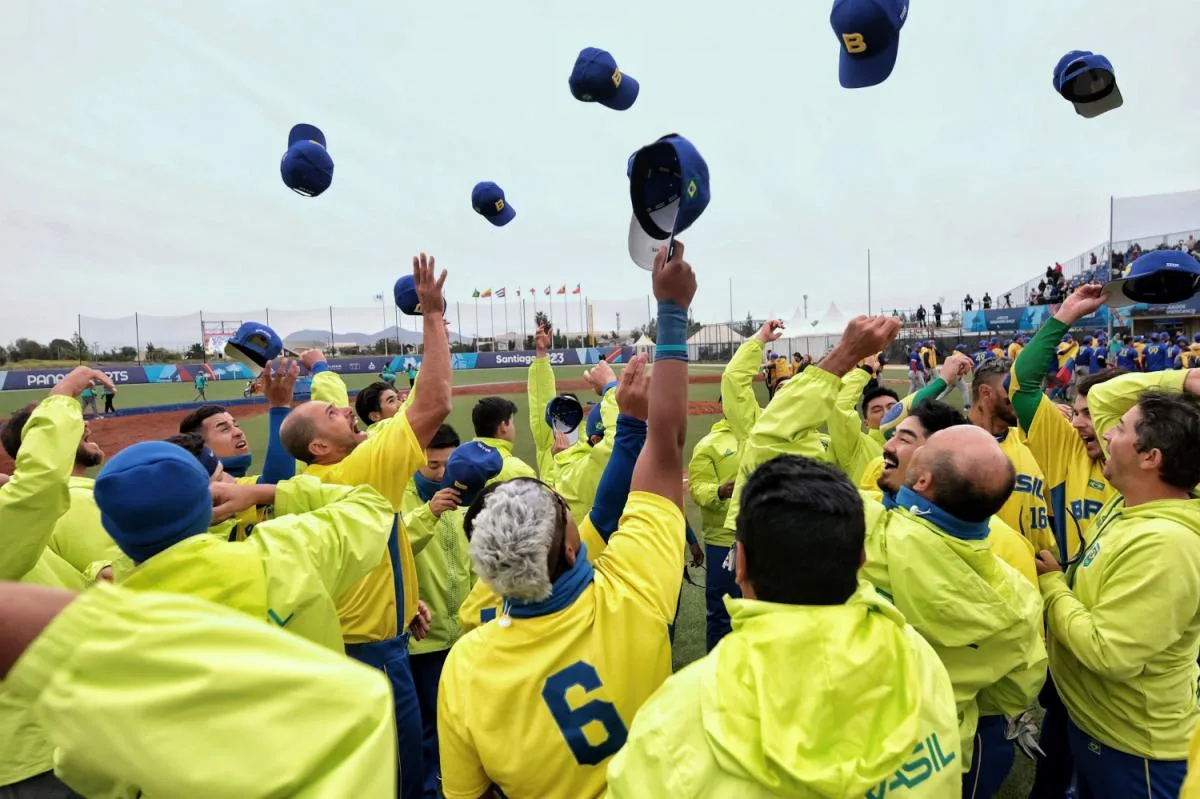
321,337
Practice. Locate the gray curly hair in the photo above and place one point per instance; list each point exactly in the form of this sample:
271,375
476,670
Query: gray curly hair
511,538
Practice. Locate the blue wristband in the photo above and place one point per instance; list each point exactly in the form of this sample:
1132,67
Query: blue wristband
672,332
318,367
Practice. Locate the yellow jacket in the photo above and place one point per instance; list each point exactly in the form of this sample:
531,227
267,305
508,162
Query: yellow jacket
714,463
79,538
862,708
513,466
444,569
116,674
386,461
851,448
31,503
290,571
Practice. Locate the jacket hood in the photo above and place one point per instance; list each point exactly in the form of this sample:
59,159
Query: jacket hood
849,671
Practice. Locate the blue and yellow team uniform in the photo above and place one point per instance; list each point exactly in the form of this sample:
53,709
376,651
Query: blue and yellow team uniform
714,463
1129,358
569,672
1026,509
1075,486
1155,356
31,504
1014,350
982,356
376,612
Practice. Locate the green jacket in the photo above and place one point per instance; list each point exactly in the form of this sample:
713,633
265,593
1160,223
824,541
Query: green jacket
862,708
31,504
981,616
293,568
714,462
444,570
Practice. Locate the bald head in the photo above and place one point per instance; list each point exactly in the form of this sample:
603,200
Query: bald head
964,472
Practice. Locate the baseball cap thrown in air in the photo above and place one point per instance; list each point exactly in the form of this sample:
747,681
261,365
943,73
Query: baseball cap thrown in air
1087,81
254,345
868,32
597,79
306,168
489,202
669,189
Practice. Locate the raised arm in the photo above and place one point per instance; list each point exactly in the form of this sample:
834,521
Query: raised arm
541,390
36,496
278,386
432,405
852,449
659,469
737,381
613,488
1109,401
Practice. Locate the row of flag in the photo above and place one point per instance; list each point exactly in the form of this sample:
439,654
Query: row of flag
501,293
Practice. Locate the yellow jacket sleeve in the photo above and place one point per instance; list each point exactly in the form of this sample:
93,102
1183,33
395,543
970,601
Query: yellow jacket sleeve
36,495
419,521
1133,618
386,461
703,482
788,426
328,386
541,389
737,388
342,531
645,554
1109,401
307,722
852,449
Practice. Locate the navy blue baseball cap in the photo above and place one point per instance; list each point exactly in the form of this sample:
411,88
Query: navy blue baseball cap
488,201
254,345
597,79
407,300
669,189
1160,277
470,467
1087,81
595,423
564,413
868,32
306,167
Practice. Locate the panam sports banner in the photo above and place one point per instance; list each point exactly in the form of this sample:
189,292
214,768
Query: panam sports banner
131,374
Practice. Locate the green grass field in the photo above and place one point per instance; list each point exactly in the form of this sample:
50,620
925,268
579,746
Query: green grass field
690,626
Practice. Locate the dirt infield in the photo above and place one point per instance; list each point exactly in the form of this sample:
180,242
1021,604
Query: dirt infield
114,434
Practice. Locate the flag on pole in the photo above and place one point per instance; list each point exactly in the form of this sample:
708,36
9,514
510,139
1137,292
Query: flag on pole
486,293
500,292
547,291
378,298
518,292
475,294
562,289
533,292
577,290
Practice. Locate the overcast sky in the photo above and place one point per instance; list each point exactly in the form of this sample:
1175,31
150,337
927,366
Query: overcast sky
140,166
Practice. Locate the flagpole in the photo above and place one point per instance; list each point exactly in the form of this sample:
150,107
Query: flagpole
477,321
492,313
506,320
523,334
582,321
458,311
566,317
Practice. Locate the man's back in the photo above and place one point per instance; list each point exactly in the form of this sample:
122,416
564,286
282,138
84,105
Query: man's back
982,617
568,673
863,708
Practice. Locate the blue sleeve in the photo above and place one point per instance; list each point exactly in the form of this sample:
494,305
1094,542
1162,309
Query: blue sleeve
691,537
613,489
318,367
279,465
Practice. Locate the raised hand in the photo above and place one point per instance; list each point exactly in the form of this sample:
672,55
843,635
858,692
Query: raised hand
633,389
310,358
429,284
599,376
80,378
1083,301
278,385
673,277
771,330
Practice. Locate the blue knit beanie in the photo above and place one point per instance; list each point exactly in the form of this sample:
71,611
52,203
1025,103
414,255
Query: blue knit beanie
152,496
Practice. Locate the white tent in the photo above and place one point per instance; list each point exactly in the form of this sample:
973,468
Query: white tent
644,346
813,337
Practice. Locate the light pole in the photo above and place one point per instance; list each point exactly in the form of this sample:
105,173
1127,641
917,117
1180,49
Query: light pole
383,311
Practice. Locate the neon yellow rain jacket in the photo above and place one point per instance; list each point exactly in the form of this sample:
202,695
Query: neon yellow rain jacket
114,674
79,538
982,616
863,708
444,570
852,449
575,472
513,466
714,462
31,503
289,572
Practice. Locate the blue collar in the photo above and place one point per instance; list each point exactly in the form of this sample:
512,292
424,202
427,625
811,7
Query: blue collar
567,588
917,505
237,465
426,488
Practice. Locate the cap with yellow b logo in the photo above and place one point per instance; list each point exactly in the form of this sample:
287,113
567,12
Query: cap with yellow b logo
489,202
596,78
868,34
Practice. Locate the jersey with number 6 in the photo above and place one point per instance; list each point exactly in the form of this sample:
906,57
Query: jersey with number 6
538,707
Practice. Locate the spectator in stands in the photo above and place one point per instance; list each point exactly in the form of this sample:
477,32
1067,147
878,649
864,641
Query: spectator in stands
1191,243
987,301
921,315
1093,260
968,303
937,314
1034,298
1008,299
